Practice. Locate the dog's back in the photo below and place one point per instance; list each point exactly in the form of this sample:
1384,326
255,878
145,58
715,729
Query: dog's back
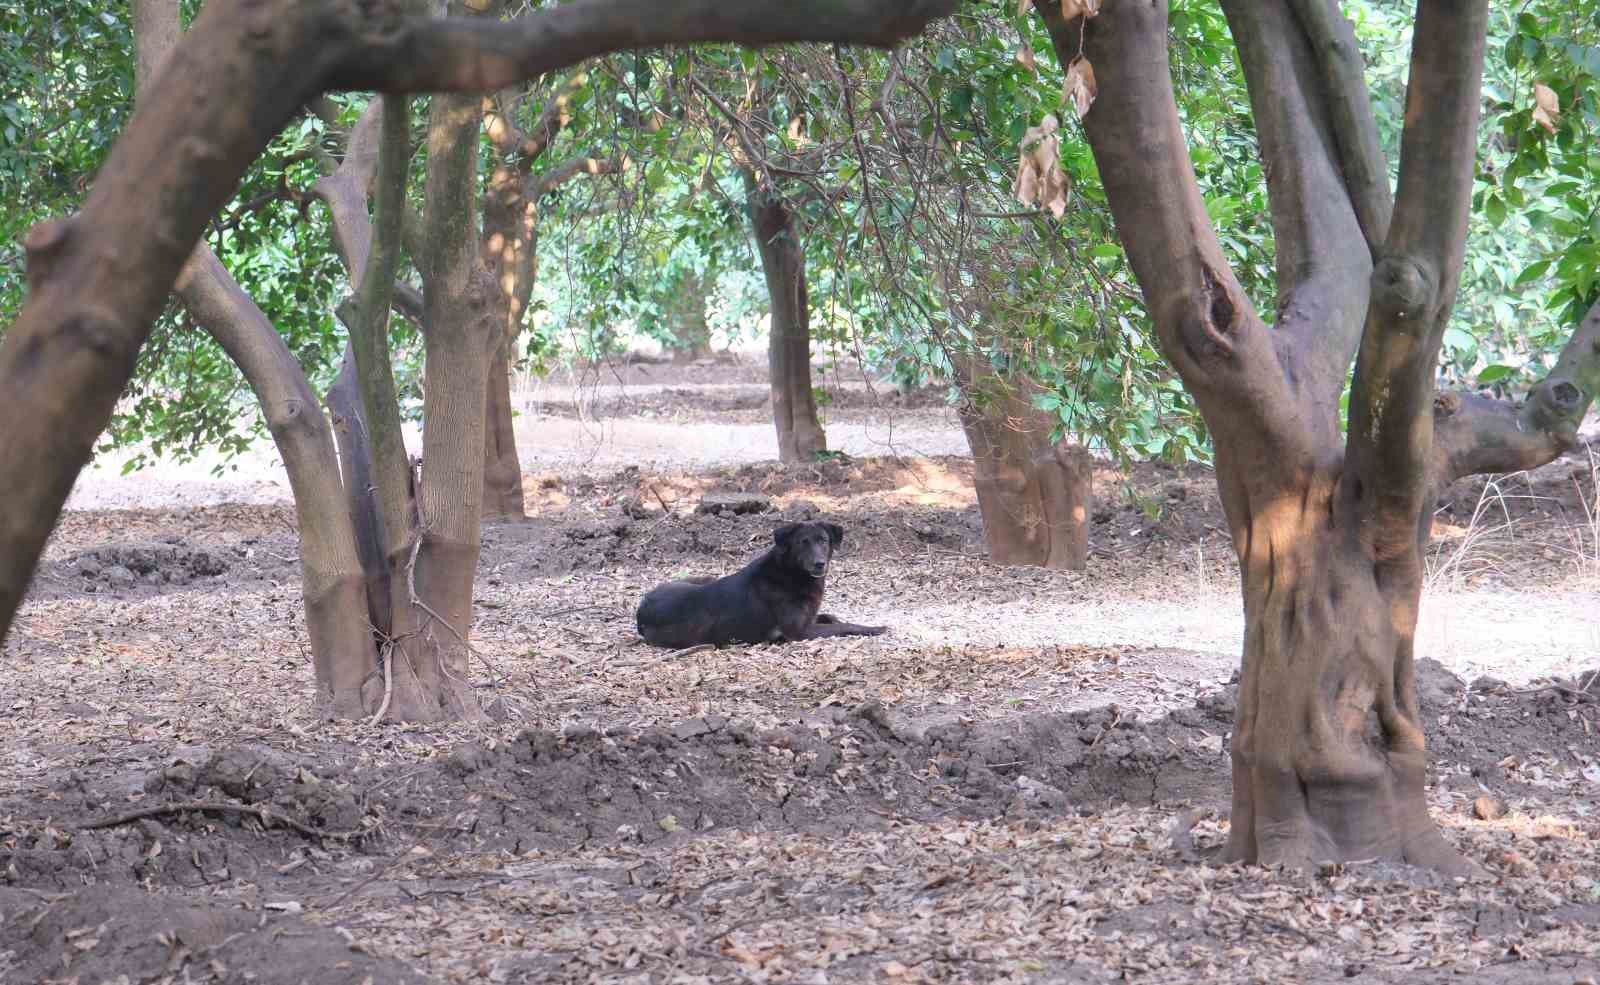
676,614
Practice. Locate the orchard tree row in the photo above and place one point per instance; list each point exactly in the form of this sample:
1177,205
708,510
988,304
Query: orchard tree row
1171,229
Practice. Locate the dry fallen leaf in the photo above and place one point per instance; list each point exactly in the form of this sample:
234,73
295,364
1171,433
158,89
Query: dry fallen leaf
1488,809
1546,108
1026,57
1080,86
1040,180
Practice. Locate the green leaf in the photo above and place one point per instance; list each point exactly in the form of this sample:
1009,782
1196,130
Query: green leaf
1532,272
1495,373
1495,209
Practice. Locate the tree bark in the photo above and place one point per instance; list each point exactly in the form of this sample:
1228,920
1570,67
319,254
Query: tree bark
465,327
332,581
345,193
360,490
510,244
1328,753
96,281
372,272
502,469
783,260
1035,495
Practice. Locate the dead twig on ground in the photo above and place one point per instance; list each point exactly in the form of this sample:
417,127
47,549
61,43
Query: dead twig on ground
690,651
261,814
382,871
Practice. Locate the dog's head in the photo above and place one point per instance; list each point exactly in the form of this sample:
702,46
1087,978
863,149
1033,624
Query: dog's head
808,546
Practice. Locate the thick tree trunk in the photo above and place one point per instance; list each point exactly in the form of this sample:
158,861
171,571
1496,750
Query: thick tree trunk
465,326
783,259
1327,749
1328,753
1035,495
332,584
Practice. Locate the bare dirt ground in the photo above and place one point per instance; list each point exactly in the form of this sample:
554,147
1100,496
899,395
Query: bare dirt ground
1018,784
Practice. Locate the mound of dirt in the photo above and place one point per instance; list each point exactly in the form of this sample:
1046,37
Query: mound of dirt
171,562
274,828
114,935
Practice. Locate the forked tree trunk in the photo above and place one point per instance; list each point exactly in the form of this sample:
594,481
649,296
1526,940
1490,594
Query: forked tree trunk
783,260
342,649
366,418
1328,752
332,582
1035,495
433,593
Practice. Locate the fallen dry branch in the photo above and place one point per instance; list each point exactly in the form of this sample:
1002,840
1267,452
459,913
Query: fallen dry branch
261,814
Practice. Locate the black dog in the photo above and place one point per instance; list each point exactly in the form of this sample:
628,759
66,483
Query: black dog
778,596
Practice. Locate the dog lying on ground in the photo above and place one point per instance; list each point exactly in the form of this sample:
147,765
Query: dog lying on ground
776,597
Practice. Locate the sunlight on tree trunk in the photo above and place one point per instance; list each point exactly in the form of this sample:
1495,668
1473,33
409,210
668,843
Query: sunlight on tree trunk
1328,751
502,469
1034,494
433,591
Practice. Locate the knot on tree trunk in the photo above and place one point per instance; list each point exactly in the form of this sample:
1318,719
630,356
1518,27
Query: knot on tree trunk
1405,289
45,244
1556,408
1208,331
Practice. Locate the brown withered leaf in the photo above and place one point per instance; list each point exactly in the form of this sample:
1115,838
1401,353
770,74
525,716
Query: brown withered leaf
1022,7
1040,180
1080,86
1075,8
1488,809
1546,108
1026,56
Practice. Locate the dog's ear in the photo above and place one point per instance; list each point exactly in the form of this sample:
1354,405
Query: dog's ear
835,534
784,534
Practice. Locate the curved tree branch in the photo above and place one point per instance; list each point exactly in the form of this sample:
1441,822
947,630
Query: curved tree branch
1473,434
97,280
1324,265
557,112
345,191
1206,326
1414,285
1349,101
572,167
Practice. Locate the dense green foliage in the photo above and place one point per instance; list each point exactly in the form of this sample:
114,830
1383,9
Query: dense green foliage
919,257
